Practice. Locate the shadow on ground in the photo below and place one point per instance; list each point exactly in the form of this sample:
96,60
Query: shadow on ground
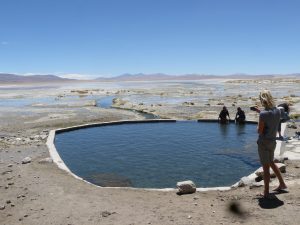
270,203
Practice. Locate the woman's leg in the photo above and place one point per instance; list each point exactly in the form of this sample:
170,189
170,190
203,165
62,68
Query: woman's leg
266,169
276,170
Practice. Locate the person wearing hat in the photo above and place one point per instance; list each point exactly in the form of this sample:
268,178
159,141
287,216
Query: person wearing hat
223,116
240,116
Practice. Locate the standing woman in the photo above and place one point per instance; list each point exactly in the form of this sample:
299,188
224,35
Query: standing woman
267,129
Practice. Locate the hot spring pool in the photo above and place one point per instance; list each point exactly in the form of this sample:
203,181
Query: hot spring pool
157,155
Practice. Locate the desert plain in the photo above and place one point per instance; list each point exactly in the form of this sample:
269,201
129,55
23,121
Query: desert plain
38,192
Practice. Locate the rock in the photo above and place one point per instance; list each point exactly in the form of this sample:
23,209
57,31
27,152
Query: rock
10,165
46,160
282,167
293,126
256,185
186,187
258,179
245,181
118,102
91,103
2,207
43,136
279,159
26,160
106,213
188,103
8,201
6,172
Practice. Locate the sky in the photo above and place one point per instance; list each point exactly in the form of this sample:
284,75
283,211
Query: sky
93,38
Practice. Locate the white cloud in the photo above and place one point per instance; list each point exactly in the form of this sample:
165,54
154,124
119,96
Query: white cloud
30,74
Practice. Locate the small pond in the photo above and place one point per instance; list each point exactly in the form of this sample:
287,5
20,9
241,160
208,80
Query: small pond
157,155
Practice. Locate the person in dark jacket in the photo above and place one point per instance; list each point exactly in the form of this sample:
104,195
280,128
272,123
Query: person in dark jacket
240,116
285,110
223,115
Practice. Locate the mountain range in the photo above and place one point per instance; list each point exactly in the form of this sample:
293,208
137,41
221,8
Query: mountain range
161,76
6,78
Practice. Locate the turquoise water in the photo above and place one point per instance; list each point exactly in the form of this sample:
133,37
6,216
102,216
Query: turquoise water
157,155
102,101
105,102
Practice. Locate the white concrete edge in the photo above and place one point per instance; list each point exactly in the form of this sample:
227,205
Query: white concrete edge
60,163
53,152
87,125
214,189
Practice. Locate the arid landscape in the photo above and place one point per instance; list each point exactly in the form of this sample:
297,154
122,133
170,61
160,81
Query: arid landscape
36,191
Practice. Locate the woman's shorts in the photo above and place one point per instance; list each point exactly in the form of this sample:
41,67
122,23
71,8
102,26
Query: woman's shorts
266,150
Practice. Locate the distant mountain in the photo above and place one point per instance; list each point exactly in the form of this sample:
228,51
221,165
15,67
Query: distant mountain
6,78
161,76
13,78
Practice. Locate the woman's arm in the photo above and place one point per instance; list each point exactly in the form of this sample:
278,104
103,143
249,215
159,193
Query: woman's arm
260,126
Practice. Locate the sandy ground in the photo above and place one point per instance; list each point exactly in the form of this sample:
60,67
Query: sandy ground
40,193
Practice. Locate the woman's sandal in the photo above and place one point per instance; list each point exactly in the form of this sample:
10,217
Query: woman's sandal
280,189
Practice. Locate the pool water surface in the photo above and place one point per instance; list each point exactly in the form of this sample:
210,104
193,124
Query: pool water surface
158,155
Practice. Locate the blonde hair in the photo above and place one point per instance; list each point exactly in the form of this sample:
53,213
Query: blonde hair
266,99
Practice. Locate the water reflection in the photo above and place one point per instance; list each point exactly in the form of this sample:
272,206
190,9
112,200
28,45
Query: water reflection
240,129
224,129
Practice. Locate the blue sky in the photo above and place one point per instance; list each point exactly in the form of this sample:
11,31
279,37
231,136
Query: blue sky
112,37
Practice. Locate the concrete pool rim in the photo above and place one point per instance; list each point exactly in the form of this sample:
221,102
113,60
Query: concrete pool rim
60,163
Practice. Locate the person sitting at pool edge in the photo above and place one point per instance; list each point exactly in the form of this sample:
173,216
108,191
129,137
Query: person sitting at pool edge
223,116
284,111
240,116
